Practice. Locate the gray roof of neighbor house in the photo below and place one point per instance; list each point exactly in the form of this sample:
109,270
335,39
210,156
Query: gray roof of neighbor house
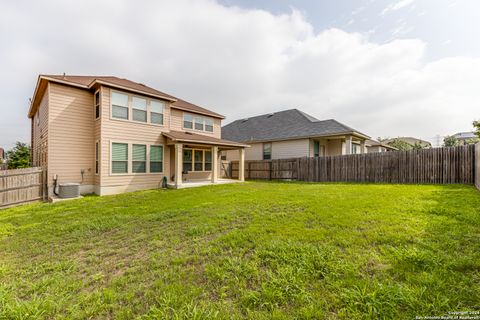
465,135
284,125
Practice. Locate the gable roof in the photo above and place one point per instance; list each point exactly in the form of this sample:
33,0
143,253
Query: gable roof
284,125
92,82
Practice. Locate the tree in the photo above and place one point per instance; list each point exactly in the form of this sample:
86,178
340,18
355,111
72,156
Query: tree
19,156
476,125
400,145
450,141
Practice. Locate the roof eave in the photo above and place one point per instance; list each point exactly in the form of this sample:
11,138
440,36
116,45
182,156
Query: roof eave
228,144
106,83
206,113
357,134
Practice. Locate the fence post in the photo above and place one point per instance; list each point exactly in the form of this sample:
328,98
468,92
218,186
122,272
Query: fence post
270,163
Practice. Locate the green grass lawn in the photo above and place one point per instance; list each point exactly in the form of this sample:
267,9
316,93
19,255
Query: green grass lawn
254,250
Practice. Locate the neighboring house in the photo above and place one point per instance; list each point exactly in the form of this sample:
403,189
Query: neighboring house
114,135
376,146
410,140
3,164
291,134
464,137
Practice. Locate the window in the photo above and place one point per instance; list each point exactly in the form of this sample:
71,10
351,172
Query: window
316,149
208,160
156,159
198,160
355,148
119,105
187,121
267,151
139,158
97,156
209,124
156,112
97,104
199,123
119,158
187,160
139,109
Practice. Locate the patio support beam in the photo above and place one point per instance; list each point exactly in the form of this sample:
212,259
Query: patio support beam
348,144
362,147
215,165
178,164
241,164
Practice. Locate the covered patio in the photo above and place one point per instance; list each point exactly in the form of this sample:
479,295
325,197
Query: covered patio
195,159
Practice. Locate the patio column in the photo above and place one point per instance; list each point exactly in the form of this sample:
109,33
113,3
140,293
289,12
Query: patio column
241,164
178,164
214,164
362,147
348,144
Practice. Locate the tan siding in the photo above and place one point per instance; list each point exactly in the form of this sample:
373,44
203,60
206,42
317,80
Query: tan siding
113,130
177,124
71,134
290,149
334,147
40,133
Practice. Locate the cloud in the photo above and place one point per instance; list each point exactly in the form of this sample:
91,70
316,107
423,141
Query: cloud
397,6
238,62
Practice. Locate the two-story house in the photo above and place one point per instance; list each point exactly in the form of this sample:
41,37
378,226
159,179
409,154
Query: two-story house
114,135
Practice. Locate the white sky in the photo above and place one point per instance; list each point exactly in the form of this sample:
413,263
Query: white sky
372,68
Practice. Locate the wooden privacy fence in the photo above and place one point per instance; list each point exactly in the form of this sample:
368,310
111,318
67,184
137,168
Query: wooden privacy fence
437,166
22,185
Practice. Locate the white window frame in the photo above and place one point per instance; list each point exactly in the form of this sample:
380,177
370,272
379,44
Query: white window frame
197,116
150,111
97,103
130,158
149,159
131,97
129,108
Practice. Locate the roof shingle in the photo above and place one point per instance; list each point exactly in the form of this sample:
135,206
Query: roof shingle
283,125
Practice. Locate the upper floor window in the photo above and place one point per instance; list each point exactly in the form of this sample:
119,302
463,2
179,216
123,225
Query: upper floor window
119,105
198,123
139,109
97,104
187,121
267,151
156,112
209,124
